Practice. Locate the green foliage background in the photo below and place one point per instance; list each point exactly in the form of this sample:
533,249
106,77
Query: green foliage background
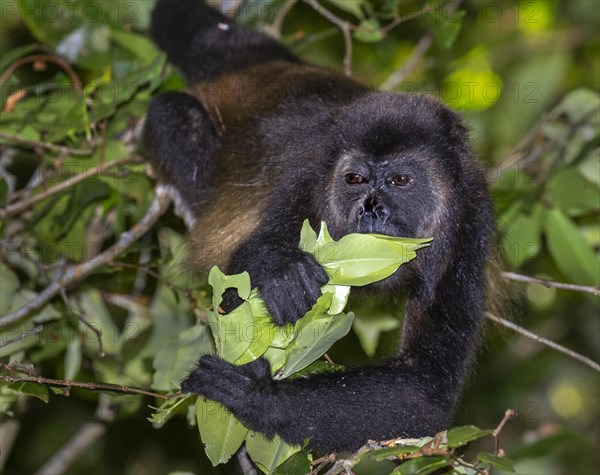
526,76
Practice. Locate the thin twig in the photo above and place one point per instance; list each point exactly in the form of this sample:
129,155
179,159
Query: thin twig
274,29
523,331
81,441
21,206
398,76
345,26
97,332
90,386
508,414
70,452
401,19
34,58
549,284
75,273
47,145
34,331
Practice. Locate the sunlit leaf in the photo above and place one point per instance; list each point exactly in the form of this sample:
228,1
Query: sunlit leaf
268,454
220,431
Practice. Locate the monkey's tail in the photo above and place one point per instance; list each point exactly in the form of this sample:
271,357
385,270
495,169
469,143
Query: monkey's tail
203,44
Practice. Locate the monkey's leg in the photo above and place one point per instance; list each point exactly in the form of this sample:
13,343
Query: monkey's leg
179,141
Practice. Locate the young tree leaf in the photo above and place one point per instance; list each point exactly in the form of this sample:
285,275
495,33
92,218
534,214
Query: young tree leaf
501,463
315,333
268,454
39,391
422,465
297,464
354,7
570,251
178,355
459,436
165,410
369,31
368,330
73,358
220,431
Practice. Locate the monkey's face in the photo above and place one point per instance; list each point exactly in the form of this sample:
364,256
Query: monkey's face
394,163
396,195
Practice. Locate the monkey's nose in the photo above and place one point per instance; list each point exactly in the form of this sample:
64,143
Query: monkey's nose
372,210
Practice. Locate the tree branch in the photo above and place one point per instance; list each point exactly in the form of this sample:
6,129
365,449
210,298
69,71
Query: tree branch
76,272
529,334
550,284
82,385
346,28
411,63
46,145
21,206
83,439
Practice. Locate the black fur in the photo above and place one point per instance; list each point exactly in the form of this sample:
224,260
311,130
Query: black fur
297,144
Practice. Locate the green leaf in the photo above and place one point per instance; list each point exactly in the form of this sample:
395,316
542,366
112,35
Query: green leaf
368,330
268,454
97,315
165,410
220,431
314,335
361,259
39,391
572,193
369,31
139,45
422,465
459,436
354,7
445,28
221,282
570,251
589,167
501,463
237,332
178,355
382,454
12,55
308,237
297,464
523,236
263,334
340,293
73,358
580,104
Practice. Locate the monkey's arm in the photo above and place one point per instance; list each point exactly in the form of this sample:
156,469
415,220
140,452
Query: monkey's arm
179,140
288,279
413,395
338,412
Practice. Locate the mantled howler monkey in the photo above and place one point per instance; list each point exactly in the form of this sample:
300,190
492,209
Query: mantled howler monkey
312,143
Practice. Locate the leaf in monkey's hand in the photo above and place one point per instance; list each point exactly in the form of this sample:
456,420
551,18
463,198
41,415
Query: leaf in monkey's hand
227,329
361,259
221,433
315,333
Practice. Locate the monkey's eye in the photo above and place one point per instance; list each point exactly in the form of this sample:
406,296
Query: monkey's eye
402,180
354,179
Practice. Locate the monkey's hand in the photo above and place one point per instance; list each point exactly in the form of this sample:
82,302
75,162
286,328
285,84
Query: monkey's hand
247,391
289,280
